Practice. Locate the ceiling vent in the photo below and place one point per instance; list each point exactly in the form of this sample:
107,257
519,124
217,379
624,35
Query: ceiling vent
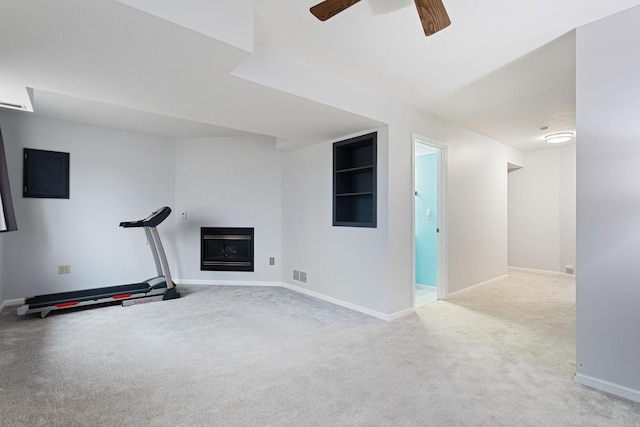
15,97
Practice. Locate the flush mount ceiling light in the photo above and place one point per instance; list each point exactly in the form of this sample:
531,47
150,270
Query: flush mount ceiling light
558,137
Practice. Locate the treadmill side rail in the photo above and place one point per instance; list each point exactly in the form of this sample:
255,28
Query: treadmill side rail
156,291
25,309
142,300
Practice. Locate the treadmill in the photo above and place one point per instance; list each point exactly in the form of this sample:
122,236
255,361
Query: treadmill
157,288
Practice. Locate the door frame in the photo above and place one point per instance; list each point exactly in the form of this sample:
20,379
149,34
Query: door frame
442,288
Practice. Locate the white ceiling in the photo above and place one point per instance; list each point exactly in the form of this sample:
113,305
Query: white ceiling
503,68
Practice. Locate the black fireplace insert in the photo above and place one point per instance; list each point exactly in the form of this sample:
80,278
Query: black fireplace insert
226,249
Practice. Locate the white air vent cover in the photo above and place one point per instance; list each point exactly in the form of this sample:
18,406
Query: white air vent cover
15,97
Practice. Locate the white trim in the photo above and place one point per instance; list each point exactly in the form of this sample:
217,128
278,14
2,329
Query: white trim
609,387
460,292
207,282
413,220
400,314
545,272
336,301
11,302
442,281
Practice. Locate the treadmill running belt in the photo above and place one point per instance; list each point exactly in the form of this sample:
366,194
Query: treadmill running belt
86,295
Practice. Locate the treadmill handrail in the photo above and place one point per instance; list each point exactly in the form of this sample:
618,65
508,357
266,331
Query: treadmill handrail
153,220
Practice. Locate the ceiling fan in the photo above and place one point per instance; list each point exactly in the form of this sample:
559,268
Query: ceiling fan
432,13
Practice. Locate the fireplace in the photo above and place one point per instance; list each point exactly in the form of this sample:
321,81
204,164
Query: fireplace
226,249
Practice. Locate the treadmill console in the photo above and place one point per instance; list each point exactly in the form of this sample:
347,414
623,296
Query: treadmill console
153,220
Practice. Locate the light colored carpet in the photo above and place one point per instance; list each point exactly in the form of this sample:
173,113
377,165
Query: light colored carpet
501,354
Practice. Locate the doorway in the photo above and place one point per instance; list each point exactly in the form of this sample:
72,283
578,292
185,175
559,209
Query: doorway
428,271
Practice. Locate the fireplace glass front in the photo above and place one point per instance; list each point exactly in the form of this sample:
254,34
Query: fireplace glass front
226,249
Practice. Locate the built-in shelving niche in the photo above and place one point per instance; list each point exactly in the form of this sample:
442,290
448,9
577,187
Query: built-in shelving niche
354,181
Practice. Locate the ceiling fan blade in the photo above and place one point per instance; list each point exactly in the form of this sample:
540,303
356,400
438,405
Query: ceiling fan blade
329,8
432,15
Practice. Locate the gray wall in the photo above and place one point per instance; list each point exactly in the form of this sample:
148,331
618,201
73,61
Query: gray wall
114,176
608,204
228,182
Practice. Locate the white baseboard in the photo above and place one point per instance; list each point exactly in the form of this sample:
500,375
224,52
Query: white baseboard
606,386
11,302
462,291
400,314
336,301
225,282
545,272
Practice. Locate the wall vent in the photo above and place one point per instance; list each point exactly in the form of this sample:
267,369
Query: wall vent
300,276
9,105
15,97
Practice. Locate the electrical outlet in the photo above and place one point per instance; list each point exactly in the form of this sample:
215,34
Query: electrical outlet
64,269
183,214
272,261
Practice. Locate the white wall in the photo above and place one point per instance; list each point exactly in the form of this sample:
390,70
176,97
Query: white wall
476,209
118,175
287,201
372,268
346,263
476,204
542,210
608,204
477,184
568,207
286,196
228,182
114,176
